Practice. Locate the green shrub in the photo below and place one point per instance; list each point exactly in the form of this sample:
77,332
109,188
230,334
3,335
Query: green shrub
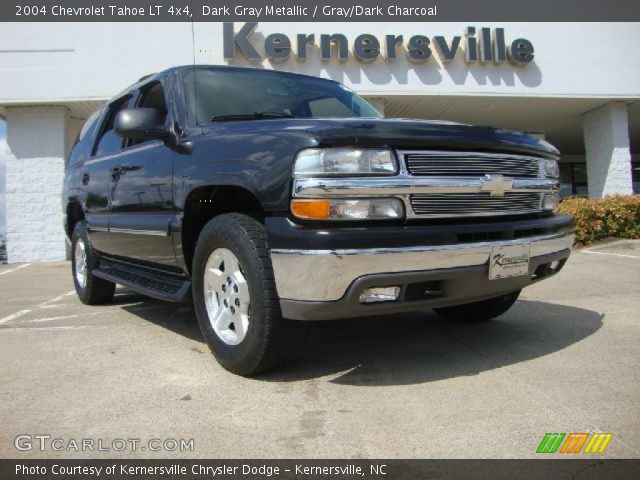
614,216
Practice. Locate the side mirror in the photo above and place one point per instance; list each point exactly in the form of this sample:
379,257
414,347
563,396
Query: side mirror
139,123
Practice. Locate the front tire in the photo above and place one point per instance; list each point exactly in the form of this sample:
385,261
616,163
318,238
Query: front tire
91,290
235,297
482,311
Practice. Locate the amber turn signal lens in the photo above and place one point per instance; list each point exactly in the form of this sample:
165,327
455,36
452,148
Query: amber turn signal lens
314,209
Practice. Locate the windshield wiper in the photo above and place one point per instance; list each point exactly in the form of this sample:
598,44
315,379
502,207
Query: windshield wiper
251,116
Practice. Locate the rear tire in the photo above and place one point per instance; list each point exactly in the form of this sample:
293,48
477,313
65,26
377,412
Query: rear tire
91,290
482,311
235,298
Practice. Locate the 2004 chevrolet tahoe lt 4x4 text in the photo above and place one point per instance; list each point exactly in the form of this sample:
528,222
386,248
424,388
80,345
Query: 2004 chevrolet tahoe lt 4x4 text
272,198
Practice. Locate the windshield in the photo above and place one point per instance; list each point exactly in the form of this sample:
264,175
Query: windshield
219,94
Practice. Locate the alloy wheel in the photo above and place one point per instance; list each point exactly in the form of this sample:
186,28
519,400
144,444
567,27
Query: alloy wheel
80,260
226,296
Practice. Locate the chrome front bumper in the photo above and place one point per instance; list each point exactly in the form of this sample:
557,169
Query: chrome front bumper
325,275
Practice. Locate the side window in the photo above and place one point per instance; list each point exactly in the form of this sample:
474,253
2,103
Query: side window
329,107
110,143
82,146
89,126
152,97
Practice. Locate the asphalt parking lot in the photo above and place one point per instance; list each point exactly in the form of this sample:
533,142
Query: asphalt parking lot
566,358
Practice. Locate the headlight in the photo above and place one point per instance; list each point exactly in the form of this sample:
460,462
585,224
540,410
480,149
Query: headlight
348,209
550,168
344,161
551,201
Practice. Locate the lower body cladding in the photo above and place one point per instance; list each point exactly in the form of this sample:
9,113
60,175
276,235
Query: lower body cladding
330,283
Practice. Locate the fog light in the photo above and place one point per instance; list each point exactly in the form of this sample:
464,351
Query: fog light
556,265
550,201
379,294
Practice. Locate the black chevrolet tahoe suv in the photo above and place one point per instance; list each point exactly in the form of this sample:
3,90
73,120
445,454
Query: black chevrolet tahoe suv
270,198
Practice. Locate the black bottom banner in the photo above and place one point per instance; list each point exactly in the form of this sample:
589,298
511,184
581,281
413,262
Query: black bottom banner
317,469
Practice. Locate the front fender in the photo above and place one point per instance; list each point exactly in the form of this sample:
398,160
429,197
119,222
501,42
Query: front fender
258,160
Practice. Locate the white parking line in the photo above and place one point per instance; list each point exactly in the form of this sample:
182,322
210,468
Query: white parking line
612,254
67,327
97,312
62,317
14,269
62,327
44,304
13,316
57,299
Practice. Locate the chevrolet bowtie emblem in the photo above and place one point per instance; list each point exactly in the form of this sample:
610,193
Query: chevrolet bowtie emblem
496,185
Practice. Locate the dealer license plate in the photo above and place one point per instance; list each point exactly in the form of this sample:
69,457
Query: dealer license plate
509,261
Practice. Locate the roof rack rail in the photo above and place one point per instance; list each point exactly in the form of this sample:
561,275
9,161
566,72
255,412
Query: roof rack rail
144,77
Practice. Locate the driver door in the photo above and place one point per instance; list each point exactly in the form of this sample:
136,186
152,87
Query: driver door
141,190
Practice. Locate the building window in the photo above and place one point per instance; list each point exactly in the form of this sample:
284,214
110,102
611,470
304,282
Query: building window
566,180
573,179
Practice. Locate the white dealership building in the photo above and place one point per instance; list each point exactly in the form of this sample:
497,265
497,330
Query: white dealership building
576,84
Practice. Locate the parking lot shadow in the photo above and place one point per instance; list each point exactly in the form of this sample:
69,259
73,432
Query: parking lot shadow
178,318
422,347
409,348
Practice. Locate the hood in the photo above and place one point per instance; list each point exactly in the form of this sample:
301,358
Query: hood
402,133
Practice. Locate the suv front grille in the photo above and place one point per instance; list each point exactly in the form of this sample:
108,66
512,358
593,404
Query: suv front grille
470,164
447,165
475,204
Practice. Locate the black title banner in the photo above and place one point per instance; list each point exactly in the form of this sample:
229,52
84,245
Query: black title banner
317,10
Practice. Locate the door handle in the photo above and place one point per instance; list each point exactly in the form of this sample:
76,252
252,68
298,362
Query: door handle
85,179
119,170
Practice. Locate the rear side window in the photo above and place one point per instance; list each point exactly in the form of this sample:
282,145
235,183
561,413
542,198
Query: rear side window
110,143
82,145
